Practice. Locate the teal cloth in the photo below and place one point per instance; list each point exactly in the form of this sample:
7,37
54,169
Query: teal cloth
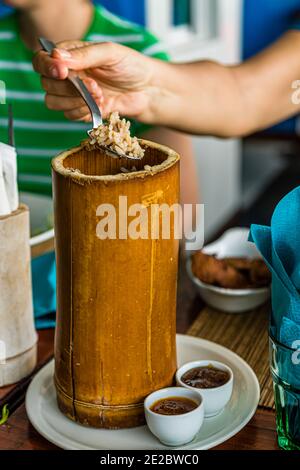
44,290
279,245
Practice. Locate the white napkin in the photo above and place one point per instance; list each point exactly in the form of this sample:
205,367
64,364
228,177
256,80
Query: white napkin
9,197
4,204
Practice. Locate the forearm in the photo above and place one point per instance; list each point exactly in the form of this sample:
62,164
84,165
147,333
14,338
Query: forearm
266,82
200,98
209,98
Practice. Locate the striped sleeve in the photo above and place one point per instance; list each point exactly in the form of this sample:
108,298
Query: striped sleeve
41,133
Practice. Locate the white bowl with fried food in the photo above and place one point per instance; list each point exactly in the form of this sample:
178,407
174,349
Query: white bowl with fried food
222,267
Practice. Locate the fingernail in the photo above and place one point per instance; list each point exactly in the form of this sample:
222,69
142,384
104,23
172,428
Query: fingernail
64,54
54,72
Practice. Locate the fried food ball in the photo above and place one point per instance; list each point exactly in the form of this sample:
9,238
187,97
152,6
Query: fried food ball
260,275
217,272
242,264
231,273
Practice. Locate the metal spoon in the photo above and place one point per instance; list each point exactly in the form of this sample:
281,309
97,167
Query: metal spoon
48,46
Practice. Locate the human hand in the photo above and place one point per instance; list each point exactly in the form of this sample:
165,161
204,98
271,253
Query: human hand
119,78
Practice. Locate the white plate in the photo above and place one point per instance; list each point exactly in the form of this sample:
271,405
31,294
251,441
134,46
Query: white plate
45,416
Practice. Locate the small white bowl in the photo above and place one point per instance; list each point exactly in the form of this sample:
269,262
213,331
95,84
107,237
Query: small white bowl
233,244
215,399
174,430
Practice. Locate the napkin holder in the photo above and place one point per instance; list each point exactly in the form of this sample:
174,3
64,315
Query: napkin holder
18,338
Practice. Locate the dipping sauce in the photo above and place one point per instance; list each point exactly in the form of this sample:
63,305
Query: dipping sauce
205,377
173,406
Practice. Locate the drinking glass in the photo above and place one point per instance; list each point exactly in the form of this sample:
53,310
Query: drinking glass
285,370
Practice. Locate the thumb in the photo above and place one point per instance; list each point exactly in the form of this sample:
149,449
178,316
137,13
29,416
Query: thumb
90,55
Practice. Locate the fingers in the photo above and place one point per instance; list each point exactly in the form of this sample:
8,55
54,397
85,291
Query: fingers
65,88
69,103
68,45
77,56
59,103
58,88
53,65
49,66
79,114
63,96
82,56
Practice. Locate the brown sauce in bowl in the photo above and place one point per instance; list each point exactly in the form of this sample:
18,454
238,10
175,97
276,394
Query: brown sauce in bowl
205,377
173,406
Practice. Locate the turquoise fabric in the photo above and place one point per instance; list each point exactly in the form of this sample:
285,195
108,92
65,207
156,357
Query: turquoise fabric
44,290
279,244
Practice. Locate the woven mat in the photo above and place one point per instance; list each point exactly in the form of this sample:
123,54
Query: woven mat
247,335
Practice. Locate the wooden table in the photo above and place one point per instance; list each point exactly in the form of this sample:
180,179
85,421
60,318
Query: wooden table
18,434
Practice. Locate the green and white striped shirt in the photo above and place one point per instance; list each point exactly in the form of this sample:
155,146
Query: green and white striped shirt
40,133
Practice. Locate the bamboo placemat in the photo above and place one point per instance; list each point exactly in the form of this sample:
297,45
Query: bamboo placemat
247,335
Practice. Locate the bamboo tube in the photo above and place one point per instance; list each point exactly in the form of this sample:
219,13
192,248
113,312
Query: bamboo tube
18,351
116,298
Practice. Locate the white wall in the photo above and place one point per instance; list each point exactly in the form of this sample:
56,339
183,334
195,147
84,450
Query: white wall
218,161
219,173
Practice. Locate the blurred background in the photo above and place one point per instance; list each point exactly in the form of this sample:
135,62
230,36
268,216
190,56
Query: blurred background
240,181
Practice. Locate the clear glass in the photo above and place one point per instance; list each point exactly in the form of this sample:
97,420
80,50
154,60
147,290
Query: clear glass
285,370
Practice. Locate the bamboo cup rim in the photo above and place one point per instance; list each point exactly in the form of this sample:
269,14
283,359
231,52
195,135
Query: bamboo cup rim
172,158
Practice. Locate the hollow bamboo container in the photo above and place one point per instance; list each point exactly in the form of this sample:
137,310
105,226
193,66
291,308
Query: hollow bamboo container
116,298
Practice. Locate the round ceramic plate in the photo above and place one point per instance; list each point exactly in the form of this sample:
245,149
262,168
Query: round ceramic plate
45,416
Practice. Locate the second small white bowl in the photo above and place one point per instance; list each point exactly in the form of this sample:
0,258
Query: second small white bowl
174,430
233,244
215,399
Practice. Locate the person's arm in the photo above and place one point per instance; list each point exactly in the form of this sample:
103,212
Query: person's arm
242,99
201,98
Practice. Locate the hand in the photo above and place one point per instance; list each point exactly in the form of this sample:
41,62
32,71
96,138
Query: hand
119,78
